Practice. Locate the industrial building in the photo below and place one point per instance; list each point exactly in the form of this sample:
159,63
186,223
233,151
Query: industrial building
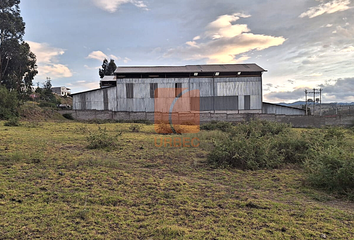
230,88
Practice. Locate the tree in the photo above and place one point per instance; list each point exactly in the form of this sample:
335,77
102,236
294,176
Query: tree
46,93
17,63
107,68
111,68
102,71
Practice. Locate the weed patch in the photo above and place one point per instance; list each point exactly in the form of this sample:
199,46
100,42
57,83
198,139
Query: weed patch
13,122
135,128
101,139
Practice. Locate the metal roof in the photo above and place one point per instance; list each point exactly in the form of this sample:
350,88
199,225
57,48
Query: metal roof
251,67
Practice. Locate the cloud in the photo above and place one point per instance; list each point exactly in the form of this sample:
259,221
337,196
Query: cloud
48,62
196,38
283,96
329,7
348,49
90,68
224,42
315,75
112,5
340,90
126,60
56,70
114,57
97,55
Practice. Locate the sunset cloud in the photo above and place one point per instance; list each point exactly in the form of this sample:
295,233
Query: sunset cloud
329,7
98,55
223,42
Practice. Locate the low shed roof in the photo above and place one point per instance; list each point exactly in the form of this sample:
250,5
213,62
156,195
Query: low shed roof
250,67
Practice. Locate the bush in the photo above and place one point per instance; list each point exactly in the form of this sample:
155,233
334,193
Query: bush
261,144
13,122
293,147
214,125
331,168
260,128
246,153
257,145
336,133
101,139
253,145
68,116
8,104
43,104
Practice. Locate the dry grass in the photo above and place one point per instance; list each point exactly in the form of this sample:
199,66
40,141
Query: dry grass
53,187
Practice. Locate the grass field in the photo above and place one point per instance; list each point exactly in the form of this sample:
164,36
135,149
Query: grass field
53,187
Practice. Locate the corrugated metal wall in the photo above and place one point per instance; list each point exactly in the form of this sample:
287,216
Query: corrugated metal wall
220,94
278,109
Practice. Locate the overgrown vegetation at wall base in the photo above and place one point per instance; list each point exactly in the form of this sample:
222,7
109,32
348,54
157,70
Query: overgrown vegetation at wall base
324,153
215,125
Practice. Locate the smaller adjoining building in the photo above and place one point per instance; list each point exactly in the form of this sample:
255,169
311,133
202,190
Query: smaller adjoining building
61,91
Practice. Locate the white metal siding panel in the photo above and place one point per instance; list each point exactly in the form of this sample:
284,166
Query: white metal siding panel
112,99
256,102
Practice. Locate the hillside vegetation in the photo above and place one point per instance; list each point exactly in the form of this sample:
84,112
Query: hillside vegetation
60,180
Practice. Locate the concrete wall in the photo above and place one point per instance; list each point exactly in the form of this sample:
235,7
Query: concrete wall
296,121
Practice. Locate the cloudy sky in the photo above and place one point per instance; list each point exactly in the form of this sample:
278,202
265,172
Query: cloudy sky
303,44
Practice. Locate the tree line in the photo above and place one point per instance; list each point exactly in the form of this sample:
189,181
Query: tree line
17,63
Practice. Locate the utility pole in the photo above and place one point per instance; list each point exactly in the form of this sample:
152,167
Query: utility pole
320,101
314,100
306,101
315,91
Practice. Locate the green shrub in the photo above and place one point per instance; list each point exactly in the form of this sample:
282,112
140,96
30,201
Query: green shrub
331,168
260,128
336,133
68,116
214,125
8,104
101,139
13,122
257,145
246,153
293,147
44,104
